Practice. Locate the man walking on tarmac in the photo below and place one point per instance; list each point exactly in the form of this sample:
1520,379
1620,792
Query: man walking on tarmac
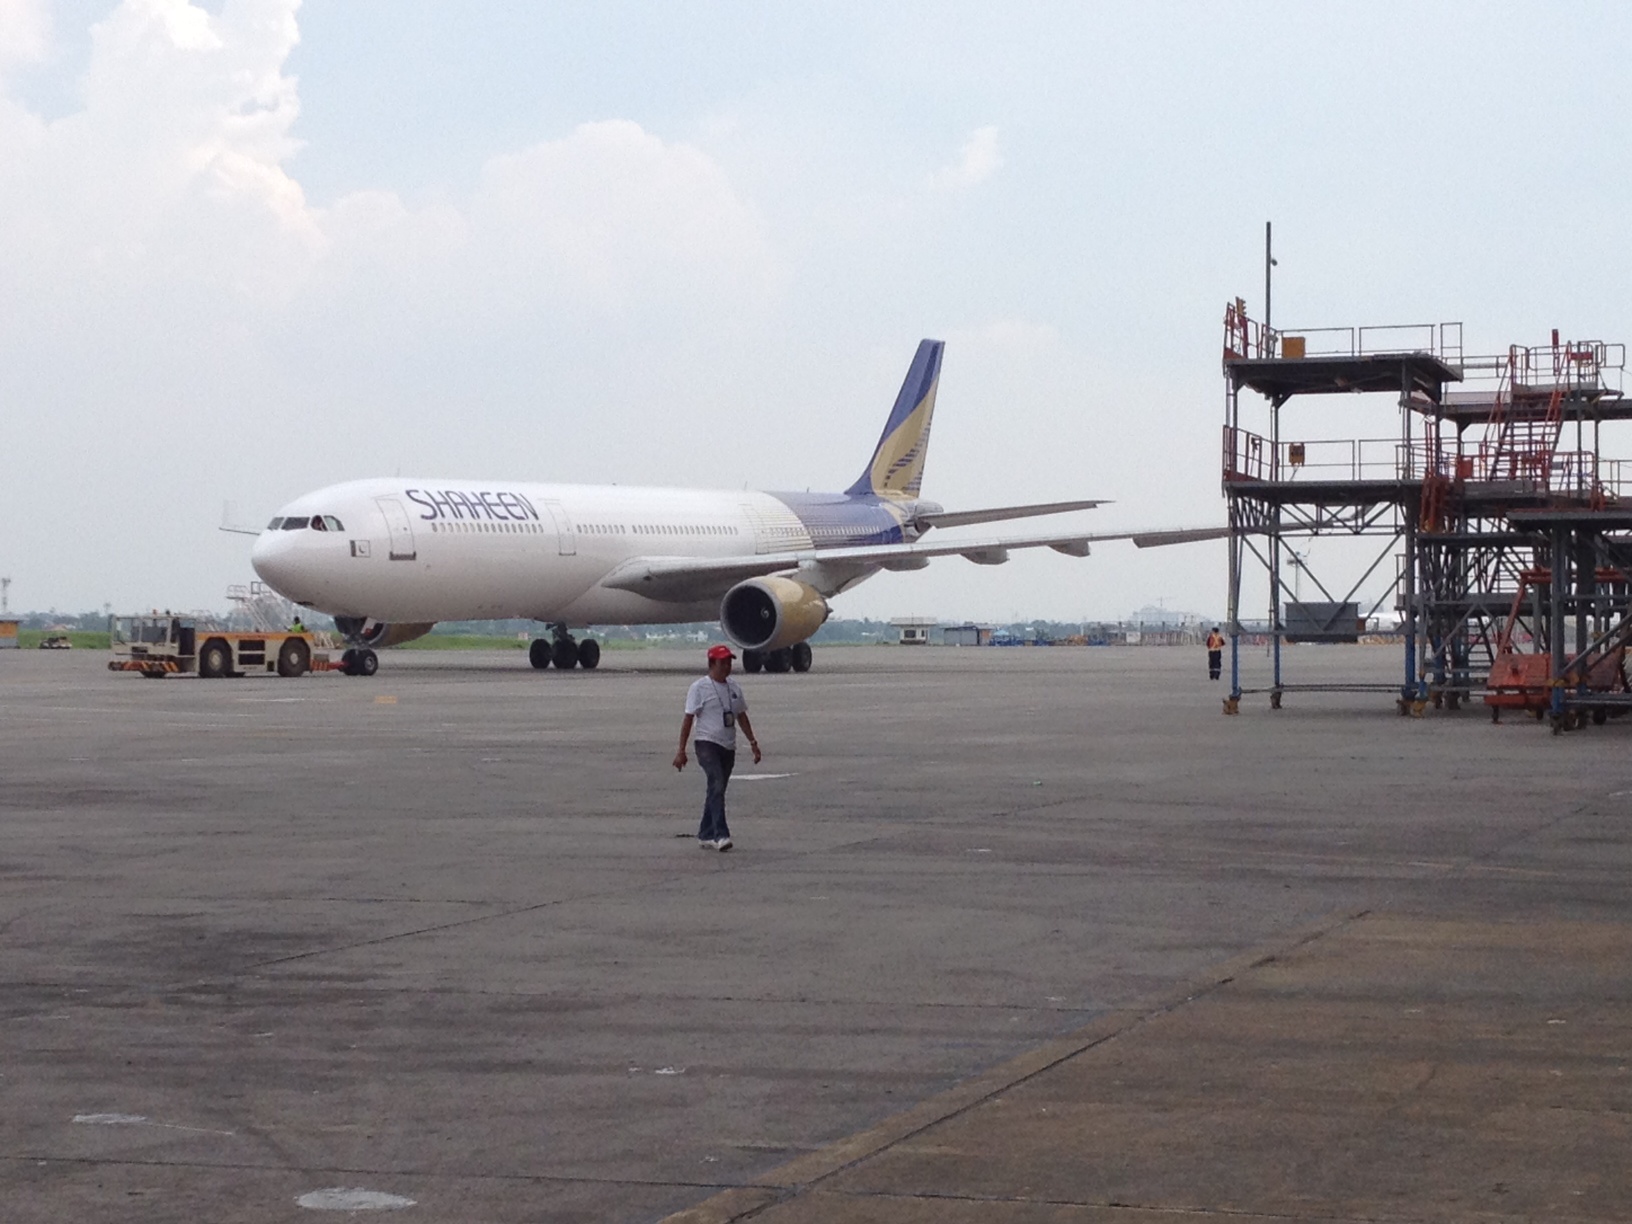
714,707
1215,653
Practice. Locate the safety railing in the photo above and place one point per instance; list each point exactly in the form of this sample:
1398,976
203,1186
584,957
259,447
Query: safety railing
1247,337
1575,366
1577,474
1247,456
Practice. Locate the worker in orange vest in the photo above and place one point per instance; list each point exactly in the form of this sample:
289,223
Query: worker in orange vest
1215,653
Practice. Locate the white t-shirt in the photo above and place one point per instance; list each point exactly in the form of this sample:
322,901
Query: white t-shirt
707,701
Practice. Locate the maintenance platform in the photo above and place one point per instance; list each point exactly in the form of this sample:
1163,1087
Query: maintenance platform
1493,501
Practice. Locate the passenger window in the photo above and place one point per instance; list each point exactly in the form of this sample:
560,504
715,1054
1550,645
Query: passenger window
298,523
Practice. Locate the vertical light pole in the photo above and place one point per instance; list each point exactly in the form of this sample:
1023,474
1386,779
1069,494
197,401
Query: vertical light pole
1269,262
1272,350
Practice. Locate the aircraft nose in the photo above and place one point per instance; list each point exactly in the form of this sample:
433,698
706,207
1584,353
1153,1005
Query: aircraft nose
273,559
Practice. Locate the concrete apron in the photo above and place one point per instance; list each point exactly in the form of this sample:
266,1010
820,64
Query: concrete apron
1379,1066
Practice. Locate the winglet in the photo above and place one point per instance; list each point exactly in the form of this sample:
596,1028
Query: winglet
897,467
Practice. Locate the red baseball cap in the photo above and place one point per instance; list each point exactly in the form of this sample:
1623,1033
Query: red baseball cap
720,652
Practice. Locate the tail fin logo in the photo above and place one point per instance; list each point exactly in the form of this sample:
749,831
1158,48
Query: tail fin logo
897,467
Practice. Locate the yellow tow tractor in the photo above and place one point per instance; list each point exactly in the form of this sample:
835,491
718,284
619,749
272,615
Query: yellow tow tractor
165,644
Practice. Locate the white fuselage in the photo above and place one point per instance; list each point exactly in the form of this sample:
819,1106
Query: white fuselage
417,550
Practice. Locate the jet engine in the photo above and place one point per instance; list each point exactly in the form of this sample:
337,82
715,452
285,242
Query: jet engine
770,613
363,631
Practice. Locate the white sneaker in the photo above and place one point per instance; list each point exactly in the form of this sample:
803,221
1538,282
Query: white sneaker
723,844
707,844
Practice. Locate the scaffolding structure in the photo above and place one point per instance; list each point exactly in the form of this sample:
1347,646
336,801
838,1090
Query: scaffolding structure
1504,523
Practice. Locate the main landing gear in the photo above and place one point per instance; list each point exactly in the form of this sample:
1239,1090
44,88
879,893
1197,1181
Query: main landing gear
797,657
564,651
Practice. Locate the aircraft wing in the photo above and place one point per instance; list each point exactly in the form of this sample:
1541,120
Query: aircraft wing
692,579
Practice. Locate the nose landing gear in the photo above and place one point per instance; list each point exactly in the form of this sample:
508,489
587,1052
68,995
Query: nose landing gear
359,661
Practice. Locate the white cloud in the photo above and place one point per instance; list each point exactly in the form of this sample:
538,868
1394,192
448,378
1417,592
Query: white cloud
173,179
612,213
172,172
977,161
25,31
168,280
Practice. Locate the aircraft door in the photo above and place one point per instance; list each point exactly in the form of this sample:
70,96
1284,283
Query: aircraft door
402,530
565,535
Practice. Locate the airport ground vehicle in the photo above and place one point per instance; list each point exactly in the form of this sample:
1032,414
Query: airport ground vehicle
56,641
164,644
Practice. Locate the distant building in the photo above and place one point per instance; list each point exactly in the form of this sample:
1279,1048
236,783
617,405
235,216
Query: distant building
8,635
966,635
913,630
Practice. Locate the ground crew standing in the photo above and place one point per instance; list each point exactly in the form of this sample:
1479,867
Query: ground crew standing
1215,653
715,707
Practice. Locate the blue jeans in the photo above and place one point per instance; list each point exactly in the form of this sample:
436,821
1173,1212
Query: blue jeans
716,763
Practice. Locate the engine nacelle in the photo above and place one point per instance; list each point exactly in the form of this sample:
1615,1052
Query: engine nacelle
770,613
379,634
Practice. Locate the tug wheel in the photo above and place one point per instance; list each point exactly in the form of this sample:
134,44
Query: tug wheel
215,660
294,658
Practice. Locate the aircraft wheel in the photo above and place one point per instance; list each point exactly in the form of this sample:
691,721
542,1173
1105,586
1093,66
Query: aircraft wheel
538,654
294,658
564,654
752,661
215,660
589,654
779,660
802,656
366,663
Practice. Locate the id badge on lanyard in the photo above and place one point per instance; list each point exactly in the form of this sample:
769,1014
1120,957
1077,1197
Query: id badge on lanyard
728,716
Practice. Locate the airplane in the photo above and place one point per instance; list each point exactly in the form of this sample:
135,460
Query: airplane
388,558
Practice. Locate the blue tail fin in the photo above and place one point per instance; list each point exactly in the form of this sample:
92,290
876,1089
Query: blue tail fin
897,467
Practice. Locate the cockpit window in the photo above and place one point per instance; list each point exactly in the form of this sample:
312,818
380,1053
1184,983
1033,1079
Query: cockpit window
329,521
274,524
296,523
318,524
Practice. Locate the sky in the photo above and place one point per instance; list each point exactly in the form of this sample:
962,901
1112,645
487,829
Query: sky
253,247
